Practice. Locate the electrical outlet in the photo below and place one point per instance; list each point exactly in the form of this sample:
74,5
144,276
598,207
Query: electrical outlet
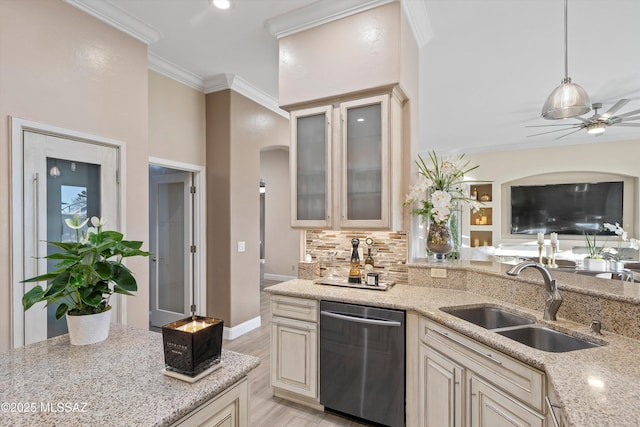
241,246
293,268
440,273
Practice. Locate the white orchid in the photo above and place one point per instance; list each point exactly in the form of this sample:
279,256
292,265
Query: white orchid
623,237
441,187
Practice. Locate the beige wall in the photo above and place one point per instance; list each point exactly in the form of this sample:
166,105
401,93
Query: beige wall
237,128
282,243
61,67
176,121
355,53
606,157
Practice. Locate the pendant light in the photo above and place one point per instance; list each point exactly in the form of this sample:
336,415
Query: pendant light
568,99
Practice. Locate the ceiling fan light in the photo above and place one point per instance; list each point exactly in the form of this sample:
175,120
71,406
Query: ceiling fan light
566,101
221,4
596,128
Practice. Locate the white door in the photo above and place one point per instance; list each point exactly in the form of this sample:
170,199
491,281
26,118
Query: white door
170,241
61,178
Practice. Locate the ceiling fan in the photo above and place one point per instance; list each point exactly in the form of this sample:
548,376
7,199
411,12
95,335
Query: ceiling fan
597,123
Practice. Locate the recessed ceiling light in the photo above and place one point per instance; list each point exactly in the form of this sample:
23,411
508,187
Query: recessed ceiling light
221,4
360,119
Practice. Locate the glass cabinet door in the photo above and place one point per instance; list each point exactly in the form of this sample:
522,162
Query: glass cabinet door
365,139
310,158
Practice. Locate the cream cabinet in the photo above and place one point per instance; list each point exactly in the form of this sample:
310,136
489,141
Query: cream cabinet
440,390
464,383
294,349
491,407
346,164
230,409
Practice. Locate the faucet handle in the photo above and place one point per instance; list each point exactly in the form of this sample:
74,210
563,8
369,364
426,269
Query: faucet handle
595,326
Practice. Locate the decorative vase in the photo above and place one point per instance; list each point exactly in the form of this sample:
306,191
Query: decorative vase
89,328
439,239
592,264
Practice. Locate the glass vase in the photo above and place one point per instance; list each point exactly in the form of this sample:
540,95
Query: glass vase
439,239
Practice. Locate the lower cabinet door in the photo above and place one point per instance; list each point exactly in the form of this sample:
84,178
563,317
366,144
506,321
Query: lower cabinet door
231,409
440,390
492,408
294,356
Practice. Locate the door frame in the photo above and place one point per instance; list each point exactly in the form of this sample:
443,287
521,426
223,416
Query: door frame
18,127
199,227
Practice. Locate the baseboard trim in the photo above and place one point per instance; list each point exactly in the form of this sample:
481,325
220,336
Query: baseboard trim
282,277
294,397
241,329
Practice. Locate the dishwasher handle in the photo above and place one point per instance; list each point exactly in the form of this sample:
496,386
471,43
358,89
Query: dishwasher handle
361,319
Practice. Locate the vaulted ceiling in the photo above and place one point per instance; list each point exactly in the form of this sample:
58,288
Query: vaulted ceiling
485,70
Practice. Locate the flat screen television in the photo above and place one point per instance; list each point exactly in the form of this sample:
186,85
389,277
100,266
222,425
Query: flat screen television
566,208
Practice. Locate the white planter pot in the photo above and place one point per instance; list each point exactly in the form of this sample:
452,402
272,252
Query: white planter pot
90,328
616,265
595,264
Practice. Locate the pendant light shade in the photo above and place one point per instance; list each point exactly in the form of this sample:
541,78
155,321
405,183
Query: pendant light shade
568,99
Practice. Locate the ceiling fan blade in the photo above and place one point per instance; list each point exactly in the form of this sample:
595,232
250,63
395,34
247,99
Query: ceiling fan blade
618,105
582,119
628,119
542,126
567,134
630,113
631,125
557,130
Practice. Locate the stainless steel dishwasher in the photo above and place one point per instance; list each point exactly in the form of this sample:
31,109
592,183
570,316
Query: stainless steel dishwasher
362,361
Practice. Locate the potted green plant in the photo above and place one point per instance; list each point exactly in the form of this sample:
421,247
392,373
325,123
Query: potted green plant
594,261
89,271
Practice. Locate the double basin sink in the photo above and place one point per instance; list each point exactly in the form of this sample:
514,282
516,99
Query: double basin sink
520,328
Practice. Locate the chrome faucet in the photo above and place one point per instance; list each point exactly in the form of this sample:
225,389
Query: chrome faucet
552,299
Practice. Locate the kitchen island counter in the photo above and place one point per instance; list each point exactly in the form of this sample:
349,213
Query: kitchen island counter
116,382
595,387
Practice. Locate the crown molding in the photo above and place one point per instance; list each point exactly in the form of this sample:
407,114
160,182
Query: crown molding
238,84
416,14
175,72
108,12
318,13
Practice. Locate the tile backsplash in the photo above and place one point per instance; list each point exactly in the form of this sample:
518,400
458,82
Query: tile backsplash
389,251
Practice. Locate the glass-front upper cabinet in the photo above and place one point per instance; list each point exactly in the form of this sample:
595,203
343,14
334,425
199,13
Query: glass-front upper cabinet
346,164
365,163
310,161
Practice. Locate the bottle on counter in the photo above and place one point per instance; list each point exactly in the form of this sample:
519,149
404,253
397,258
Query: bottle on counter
368,262
354,270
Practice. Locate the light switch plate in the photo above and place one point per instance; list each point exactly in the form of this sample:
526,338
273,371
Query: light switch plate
241,246
440,273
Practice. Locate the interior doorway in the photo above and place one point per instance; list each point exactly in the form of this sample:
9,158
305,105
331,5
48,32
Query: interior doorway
176,230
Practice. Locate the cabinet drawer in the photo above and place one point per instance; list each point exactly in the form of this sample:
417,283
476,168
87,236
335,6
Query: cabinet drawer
514,377
295,308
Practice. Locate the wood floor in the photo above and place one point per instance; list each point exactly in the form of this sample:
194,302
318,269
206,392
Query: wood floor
267,410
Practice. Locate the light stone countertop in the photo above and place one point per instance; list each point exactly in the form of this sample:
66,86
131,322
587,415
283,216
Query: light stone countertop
596,387
116,382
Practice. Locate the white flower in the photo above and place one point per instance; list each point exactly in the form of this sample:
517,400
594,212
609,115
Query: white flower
624,236
98,222
75,222
635,244
85,235
441,199
440,214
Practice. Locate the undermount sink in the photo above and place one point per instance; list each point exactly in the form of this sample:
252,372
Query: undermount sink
519,328
489,317
546,339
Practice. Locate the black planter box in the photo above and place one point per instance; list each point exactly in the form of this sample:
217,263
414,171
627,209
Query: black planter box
188,352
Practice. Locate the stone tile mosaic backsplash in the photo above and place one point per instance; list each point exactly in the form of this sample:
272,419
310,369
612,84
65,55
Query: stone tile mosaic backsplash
389,251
